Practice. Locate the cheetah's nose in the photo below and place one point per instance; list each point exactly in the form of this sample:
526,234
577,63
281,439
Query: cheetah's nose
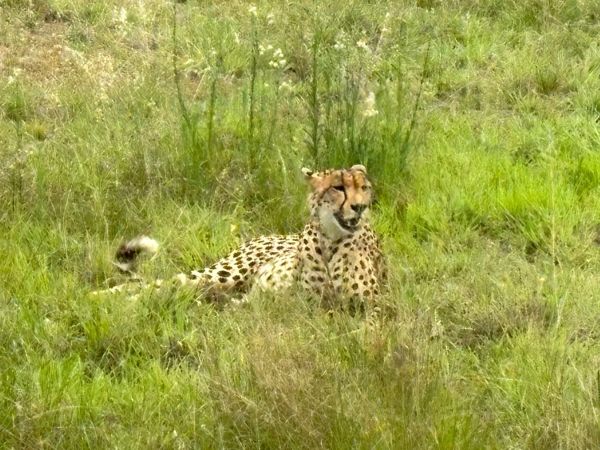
359,208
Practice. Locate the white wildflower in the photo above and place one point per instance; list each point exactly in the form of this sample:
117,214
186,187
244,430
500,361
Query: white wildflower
370,109
286,86
123,15
362,43
386,20
262,50
277,61
141,10
270,19
339,46
277,64
252,10
340,41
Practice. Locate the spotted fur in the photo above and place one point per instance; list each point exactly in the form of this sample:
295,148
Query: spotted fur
335,257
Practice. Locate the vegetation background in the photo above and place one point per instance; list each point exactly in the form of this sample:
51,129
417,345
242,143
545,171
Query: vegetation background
189,121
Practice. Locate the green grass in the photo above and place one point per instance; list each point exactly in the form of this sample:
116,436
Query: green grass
478,122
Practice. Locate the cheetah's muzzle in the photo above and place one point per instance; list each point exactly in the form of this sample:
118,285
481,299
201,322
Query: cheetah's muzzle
347,224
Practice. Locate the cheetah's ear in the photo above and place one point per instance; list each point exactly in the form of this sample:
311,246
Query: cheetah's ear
315,179
359,167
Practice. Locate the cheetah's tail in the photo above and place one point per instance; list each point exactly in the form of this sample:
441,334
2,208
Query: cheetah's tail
129,252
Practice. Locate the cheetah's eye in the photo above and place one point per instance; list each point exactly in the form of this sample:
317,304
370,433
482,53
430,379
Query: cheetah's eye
339,188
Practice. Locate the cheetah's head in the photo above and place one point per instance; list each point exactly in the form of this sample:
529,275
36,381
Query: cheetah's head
340,199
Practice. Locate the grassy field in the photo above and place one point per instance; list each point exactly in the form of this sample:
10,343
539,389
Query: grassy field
479,122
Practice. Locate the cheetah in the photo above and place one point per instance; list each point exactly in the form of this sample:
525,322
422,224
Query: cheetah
337,255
